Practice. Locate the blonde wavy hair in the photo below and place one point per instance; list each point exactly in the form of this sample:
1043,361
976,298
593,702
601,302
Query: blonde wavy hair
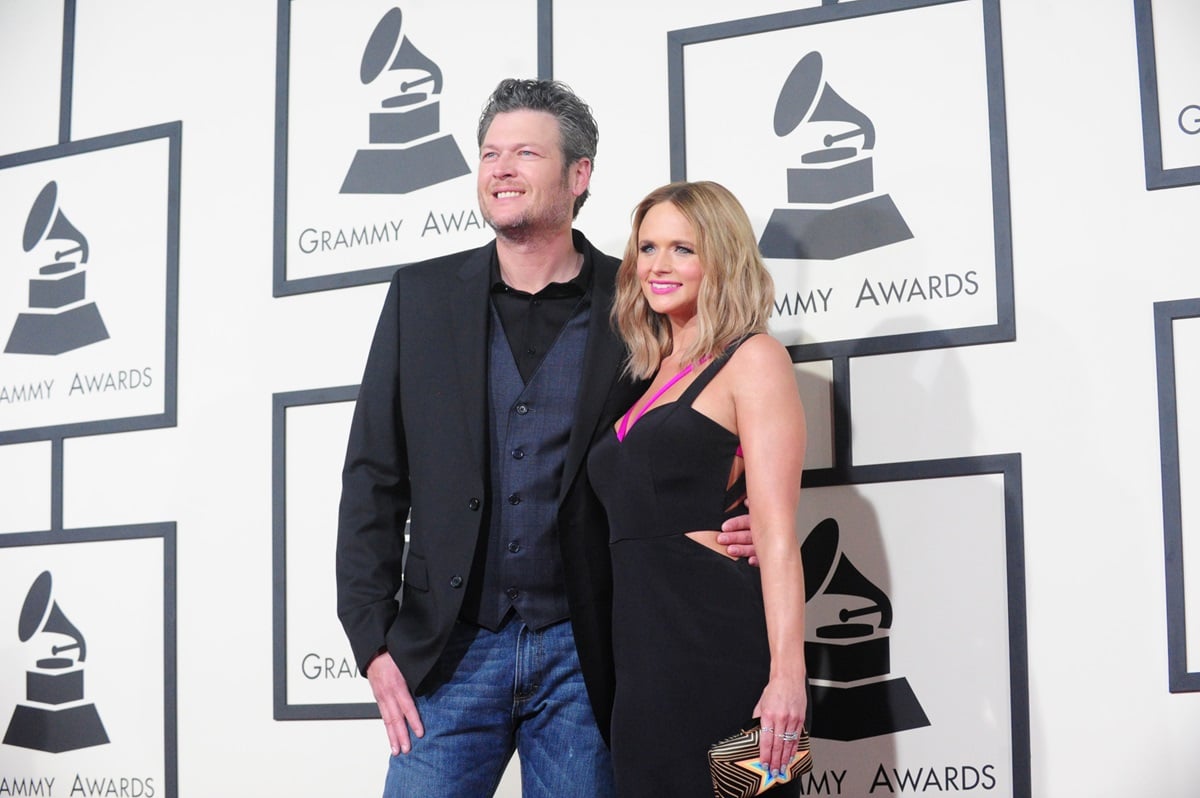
736,290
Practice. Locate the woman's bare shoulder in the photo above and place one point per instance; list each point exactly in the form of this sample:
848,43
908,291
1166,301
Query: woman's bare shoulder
760,351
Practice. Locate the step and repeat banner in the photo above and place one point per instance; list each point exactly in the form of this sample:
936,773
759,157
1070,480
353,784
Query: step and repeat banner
881,208
885,223
87,642
89,241
1169,65
377,106
868,141
1177,338
90,301
915,644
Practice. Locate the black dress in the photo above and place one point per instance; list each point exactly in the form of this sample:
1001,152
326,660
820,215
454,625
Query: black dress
689,632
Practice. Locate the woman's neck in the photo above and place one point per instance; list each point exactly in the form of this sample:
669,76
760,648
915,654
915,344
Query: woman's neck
684,332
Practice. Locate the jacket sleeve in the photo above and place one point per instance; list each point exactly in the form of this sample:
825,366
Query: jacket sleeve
376,496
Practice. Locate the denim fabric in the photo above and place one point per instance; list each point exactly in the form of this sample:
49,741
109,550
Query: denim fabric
495,692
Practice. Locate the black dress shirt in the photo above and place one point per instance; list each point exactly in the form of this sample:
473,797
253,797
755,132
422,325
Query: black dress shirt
532,322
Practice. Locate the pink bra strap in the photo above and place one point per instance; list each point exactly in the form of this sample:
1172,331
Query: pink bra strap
625,422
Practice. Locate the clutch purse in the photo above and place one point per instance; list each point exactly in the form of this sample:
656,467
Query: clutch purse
737,772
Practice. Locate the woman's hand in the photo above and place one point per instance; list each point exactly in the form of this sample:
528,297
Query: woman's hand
782,709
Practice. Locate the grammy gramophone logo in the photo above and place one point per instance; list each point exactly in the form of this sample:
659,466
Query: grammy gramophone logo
59,316
56,716
848,655
407,151
833,208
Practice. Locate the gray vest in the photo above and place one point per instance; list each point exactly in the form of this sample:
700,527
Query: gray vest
530,427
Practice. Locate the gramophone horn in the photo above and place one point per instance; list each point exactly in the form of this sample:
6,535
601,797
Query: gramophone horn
33,611
818,553
380,46
39,614
387,50
806,96
827,570
46,223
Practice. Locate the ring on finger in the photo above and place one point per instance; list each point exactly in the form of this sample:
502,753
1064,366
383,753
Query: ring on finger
788,736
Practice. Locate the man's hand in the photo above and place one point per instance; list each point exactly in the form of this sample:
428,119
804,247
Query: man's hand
736,538
396,705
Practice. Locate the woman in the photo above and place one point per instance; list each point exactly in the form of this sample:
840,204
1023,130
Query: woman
702,642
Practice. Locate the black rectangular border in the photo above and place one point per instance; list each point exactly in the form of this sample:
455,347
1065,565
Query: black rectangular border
1165,313
379,274
165,531
1008,466
173,133
1156,176
281,402
1005,327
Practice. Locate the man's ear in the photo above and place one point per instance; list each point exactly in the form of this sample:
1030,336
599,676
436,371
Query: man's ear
580,175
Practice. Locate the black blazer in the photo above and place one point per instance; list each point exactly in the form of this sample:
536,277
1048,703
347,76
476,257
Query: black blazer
418,443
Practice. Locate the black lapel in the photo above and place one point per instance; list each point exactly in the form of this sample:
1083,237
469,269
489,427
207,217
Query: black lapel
469,322
602,361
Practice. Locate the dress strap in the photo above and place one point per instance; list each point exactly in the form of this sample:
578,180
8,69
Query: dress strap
701,382
625,419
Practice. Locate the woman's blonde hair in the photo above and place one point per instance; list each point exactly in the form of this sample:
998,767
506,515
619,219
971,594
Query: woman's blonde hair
736,290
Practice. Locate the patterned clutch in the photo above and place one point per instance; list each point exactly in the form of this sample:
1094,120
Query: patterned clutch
737,772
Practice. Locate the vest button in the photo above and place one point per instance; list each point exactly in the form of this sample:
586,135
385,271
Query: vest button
512,593
514,547
518,454
456,581
522,409
514,499
474,504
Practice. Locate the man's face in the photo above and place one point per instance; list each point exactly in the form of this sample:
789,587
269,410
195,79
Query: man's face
522,186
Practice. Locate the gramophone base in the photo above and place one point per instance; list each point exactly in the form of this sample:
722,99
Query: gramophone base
867,710
827,183
55,333
57,290
848,661
54,687
832,233
55,730
399,171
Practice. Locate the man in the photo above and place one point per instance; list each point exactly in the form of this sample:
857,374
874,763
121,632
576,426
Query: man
491,373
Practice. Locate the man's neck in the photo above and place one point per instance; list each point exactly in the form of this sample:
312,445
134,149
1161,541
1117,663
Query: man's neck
533,263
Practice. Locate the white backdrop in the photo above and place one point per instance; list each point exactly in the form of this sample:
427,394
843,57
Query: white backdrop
1074,394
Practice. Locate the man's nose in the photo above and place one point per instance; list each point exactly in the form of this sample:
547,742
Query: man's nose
503,164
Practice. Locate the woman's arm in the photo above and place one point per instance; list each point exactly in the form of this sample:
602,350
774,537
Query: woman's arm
770,426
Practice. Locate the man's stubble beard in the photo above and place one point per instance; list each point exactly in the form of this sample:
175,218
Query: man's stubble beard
529,226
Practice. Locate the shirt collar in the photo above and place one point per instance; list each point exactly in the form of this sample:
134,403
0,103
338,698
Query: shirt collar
576,286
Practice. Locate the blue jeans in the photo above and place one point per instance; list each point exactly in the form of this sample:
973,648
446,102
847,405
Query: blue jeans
492,693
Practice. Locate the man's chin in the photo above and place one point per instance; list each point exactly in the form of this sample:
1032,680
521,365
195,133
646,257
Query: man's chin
512,229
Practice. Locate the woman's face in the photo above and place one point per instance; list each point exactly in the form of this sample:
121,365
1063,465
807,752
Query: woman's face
668,268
